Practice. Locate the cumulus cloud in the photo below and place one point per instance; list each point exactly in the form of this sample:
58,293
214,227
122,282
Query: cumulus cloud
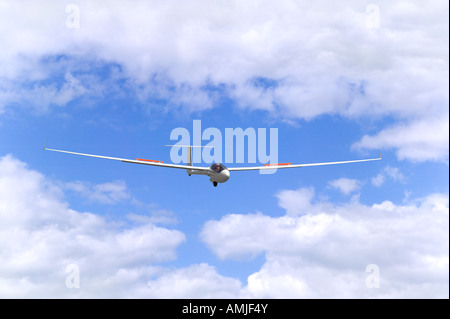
310,48
105,193
325,253
295,201
44,244
40,236
388,172
317,249
345,185
418,141
201,281
383,60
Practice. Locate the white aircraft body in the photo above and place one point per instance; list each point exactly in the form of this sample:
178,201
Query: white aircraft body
217,172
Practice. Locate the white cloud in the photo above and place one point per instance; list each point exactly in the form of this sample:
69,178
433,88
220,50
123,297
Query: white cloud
322,58
201,281
378,180
312,48
345,185
260,233
315,250
42,239
391,172
421,140
40,235
105,193
324,253
297,201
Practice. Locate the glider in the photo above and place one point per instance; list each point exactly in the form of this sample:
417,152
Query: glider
218,173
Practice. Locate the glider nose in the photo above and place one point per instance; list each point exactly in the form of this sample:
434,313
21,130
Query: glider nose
225,175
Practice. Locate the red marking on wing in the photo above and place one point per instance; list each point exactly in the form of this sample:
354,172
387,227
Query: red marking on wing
147,160
277,164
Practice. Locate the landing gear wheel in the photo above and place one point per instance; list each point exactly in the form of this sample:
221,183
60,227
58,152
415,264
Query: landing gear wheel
215,184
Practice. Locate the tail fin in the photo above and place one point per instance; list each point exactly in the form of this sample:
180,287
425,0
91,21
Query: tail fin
189,160
189,155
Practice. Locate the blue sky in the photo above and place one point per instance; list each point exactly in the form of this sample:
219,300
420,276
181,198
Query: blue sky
338,81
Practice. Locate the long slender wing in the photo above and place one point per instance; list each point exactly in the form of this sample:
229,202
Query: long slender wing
278,166
136,161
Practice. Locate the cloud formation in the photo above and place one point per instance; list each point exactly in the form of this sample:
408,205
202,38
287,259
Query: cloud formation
323,251
44,244
345,185
388,172
41,236
423,140
105,193
295,60
317,250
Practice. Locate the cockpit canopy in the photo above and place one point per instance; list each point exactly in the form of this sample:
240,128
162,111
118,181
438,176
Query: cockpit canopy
216,167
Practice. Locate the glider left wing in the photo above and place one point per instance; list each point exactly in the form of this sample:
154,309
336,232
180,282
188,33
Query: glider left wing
136,161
